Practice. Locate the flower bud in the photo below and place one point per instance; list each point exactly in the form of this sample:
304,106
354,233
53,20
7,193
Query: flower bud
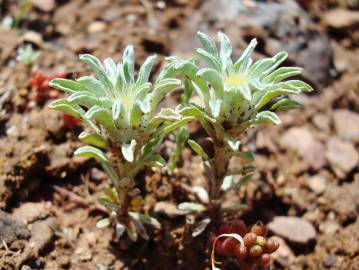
239,227
261,241
259,229
241,252
250,239
271,245
264,260
229,245
255,251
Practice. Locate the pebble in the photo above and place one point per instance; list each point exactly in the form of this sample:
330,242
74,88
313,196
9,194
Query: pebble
301,140
169,209
317,184
96,27
341,18
346,124
342,156
283,255
293,229
44,5
329,227
31,211
33,37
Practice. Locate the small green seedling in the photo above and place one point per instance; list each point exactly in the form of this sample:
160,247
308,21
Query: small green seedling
235,96
126,129
27,55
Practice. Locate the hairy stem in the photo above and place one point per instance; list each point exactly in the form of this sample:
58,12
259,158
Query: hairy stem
219,168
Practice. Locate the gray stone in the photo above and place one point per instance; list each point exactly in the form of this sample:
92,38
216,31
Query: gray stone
293,229
346,124
301,140
342,156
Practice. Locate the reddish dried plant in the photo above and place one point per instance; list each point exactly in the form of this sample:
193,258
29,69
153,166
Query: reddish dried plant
256,249
39,84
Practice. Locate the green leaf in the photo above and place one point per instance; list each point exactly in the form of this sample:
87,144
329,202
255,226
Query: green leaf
93,139
136,114
145,70
103,223
108,203
229,183
67,85
128,150
285,104
93,152
101,115
287,87
191,110
207,43
216,107
83,98
117,109
97,67
210,59
192,207
161,89
150,147
145,219
267,117
225,52
188,69
111,69
246,54
198,149
92,85
155,161
66,107
281,74
233,144
173,126
213,78
248,155
129,64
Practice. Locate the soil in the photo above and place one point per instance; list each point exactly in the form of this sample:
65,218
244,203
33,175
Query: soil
307,167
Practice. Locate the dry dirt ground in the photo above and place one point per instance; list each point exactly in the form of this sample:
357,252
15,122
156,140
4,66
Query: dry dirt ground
307,167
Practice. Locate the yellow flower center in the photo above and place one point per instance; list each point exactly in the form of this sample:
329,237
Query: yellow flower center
234,80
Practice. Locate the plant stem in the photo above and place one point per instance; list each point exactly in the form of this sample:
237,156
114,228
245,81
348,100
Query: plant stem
219,168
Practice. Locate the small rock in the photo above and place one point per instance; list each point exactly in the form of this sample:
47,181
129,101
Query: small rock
284,255
343,200
301,140
96,27
341,18
329,227
8,43
293,229
317,184
33,37
30,211
342,155
322,122
44,5
11,229
169,209
329,261
346,124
